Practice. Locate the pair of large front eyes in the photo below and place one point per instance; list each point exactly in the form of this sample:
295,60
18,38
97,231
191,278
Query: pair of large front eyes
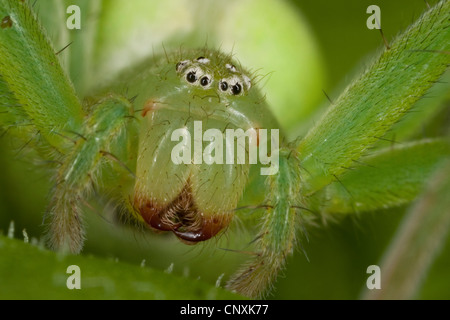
191,77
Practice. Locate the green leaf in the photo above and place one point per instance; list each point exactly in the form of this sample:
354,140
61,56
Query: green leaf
390,177
31,272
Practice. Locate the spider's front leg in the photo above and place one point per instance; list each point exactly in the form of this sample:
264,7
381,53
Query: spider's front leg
277,237
109,121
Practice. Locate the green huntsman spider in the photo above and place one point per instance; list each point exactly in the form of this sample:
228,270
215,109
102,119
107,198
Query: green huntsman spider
121,133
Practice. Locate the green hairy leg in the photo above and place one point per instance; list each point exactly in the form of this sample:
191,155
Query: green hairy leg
277,237
390,177
80,170
11,113
34,75
363,114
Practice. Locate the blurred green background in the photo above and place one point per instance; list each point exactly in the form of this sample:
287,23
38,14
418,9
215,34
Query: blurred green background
338,46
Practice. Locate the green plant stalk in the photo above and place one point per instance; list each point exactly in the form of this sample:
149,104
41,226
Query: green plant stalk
379,98
417,242
387,178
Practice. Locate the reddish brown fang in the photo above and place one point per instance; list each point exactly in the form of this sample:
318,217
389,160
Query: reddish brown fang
210,227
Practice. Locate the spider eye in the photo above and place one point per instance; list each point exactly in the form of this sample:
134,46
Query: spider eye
231,67
223,86
236,89
191,77
180,65
203,60
204,81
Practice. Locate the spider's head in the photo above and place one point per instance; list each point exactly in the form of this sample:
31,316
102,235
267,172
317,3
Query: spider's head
216,72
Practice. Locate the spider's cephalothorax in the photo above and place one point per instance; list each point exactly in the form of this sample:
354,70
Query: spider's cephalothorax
196,93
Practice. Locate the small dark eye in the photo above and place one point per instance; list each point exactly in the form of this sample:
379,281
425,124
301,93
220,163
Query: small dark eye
191,77
204,81
231,67
203,60
236,89
223,86
180,65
